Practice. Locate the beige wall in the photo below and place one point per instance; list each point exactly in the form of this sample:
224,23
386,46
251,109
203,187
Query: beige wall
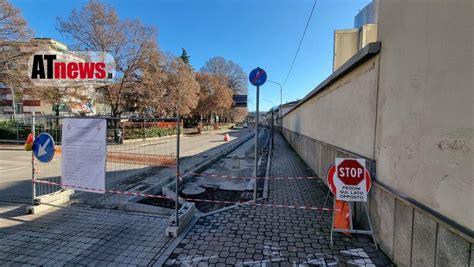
344,114
425,115
411,108
346,44
367,34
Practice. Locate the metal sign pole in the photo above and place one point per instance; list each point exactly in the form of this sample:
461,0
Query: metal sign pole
177,163
256,145
332,221
33,186
324,205
257,77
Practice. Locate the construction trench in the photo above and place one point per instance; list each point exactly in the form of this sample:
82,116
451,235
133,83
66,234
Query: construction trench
229,179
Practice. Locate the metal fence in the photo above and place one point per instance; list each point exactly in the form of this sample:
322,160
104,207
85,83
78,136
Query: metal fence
133,162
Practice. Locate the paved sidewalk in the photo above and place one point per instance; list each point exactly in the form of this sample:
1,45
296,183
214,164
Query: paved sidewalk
87,237
248,235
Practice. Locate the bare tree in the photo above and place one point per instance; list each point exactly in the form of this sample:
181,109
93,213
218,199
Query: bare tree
233,74
97,27
238,114
13,27
181,87
236,80
13,32
148,94
215,96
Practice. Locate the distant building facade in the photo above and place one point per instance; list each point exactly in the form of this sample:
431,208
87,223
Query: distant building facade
30,102
347,42
368,15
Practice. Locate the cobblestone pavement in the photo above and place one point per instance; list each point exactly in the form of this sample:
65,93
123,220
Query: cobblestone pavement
254,236
79,237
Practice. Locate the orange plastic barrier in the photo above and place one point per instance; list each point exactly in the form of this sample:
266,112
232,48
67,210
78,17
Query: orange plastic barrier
341,216
29,142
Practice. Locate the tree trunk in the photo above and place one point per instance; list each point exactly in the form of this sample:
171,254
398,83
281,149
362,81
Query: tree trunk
115,124
56,112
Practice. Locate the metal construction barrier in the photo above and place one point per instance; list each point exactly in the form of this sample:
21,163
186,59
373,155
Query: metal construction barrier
134,155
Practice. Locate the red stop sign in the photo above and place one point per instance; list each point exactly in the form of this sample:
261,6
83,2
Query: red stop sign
351,172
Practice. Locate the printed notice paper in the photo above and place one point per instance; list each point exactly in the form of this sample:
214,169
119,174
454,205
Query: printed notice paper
84,151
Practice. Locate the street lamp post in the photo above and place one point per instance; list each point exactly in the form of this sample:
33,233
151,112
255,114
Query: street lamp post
281,104
273,131
13,95
270,109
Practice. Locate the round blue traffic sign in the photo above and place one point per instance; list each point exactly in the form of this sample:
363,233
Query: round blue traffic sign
43,147
257,77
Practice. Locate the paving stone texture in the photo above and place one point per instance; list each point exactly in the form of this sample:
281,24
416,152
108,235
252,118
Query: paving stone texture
69,237
255,236
245,235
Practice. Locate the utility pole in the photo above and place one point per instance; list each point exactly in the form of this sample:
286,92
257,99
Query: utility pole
13,95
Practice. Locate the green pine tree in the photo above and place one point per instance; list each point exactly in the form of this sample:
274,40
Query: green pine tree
184,56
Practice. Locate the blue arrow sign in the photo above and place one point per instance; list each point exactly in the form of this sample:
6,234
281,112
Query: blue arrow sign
43,147
258,77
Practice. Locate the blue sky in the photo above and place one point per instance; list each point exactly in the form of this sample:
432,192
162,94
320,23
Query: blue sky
263,33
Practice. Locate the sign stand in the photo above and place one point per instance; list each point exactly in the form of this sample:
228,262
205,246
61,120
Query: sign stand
352,230
338,187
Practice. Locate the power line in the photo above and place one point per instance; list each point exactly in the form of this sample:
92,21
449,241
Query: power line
301,42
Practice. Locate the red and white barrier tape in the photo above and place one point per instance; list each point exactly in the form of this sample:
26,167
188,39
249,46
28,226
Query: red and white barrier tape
249,177
249,203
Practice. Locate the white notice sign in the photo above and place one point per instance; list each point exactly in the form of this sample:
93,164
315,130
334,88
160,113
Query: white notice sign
84,151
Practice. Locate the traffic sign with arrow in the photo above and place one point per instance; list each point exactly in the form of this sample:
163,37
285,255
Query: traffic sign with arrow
43,147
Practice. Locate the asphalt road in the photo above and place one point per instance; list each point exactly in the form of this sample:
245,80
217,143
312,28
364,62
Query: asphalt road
15,164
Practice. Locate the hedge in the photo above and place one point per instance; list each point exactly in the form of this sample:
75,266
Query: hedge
150,132
8,130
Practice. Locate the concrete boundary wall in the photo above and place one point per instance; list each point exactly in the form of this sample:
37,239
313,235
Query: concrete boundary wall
407,233
410,226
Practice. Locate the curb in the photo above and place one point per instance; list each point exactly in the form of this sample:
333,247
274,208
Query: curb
268,169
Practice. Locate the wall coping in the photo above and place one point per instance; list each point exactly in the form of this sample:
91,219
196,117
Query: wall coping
366,53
